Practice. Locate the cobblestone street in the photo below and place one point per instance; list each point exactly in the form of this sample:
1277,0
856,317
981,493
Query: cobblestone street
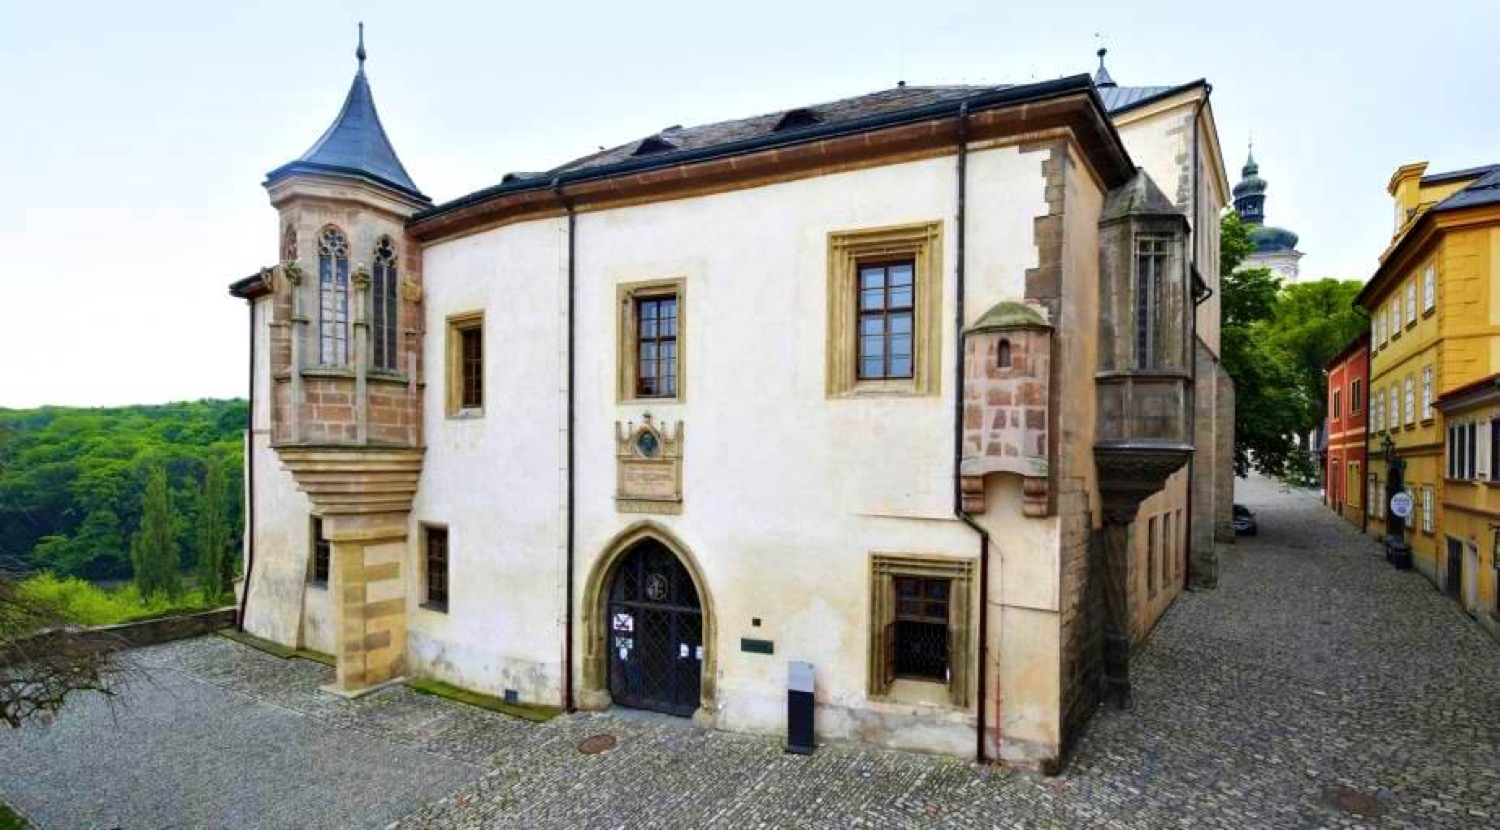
1317,687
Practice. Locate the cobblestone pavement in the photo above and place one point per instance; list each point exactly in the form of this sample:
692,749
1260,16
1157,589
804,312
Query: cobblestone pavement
1316,688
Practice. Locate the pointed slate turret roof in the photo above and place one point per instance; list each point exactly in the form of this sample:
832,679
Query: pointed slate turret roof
355,144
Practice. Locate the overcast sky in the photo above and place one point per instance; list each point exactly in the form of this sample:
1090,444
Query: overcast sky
137,134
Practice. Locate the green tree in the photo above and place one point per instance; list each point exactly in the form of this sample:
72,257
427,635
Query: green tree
1266,406
153,550
215,566
1312,321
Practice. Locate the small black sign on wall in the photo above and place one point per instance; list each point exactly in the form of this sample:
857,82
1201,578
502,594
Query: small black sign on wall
757,646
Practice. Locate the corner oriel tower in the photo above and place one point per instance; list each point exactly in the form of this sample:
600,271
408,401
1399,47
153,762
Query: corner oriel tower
345,365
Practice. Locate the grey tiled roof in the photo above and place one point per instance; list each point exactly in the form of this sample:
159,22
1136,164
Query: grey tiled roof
1485,191
724,132
355,143
1118,98
1455,175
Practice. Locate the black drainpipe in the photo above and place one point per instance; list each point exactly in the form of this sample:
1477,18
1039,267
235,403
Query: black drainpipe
1187,570
958,434
567,205
239,620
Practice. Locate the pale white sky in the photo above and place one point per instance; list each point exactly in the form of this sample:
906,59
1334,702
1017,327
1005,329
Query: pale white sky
137,134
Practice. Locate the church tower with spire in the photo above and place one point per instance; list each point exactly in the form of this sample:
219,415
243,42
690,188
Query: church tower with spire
1275,248
342,366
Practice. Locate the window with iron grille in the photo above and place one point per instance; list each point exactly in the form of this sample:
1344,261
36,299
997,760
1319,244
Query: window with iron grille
333,297
1151,254
322,555
656,346
921,629
920,623
385,302
887,304
435,568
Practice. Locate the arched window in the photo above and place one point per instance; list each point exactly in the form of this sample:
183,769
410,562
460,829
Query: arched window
333,297
386,302
289,244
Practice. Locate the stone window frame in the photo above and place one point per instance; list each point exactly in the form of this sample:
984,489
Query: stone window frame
456,325
335,302
425,530
920,242
961,574
627,364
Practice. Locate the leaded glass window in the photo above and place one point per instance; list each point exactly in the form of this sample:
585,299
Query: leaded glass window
1151,254
333,297
385,307
887,302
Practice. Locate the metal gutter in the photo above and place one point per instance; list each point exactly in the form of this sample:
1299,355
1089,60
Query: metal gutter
568,555
958,435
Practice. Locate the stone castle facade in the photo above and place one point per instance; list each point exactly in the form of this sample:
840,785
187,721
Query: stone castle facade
920,387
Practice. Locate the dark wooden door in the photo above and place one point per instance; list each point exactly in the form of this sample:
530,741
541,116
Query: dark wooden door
655,633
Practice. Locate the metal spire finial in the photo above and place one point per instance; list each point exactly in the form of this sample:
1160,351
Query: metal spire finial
1102,52
360,52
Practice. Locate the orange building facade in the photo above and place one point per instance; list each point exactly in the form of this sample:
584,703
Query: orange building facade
1348,410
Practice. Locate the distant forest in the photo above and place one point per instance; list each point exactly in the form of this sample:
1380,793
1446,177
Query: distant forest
72,480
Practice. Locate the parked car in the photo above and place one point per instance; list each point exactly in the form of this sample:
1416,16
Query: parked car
1244,521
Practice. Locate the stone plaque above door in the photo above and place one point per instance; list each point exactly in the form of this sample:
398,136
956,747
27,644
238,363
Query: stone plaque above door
648,467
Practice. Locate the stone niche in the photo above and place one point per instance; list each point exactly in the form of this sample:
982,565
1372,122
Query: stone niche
1007,365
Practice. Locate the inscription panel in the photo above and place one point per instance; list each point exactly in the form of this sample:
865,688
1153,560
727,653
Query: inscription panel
648,460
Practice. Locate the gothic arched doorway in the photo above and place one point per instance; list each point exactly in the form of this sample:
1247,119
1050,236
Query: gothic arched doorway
655,632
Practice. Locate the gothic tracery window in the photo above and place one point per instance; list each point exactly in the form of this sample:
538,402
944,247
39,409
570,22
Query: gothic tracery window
333,297
386,303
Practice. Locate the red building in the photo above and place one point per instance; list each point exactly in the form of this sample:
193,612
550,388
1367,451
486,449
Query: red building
1348,407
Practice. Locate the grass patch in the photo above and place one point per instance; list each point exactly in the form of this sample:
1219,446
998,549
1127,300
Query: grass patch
276,649
534,712
84,603
10,820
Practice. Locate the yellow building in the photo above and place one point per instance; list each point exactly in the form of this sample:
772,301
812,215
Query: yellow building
1434,306
1471,501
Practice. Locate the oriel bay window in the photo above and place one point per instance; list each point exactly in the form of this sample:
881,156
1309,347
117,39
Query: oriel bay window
651,340
333,297
919,627
385,303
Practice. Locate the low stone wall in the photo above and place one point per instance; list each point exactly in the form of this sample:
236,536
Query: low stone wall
122,636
